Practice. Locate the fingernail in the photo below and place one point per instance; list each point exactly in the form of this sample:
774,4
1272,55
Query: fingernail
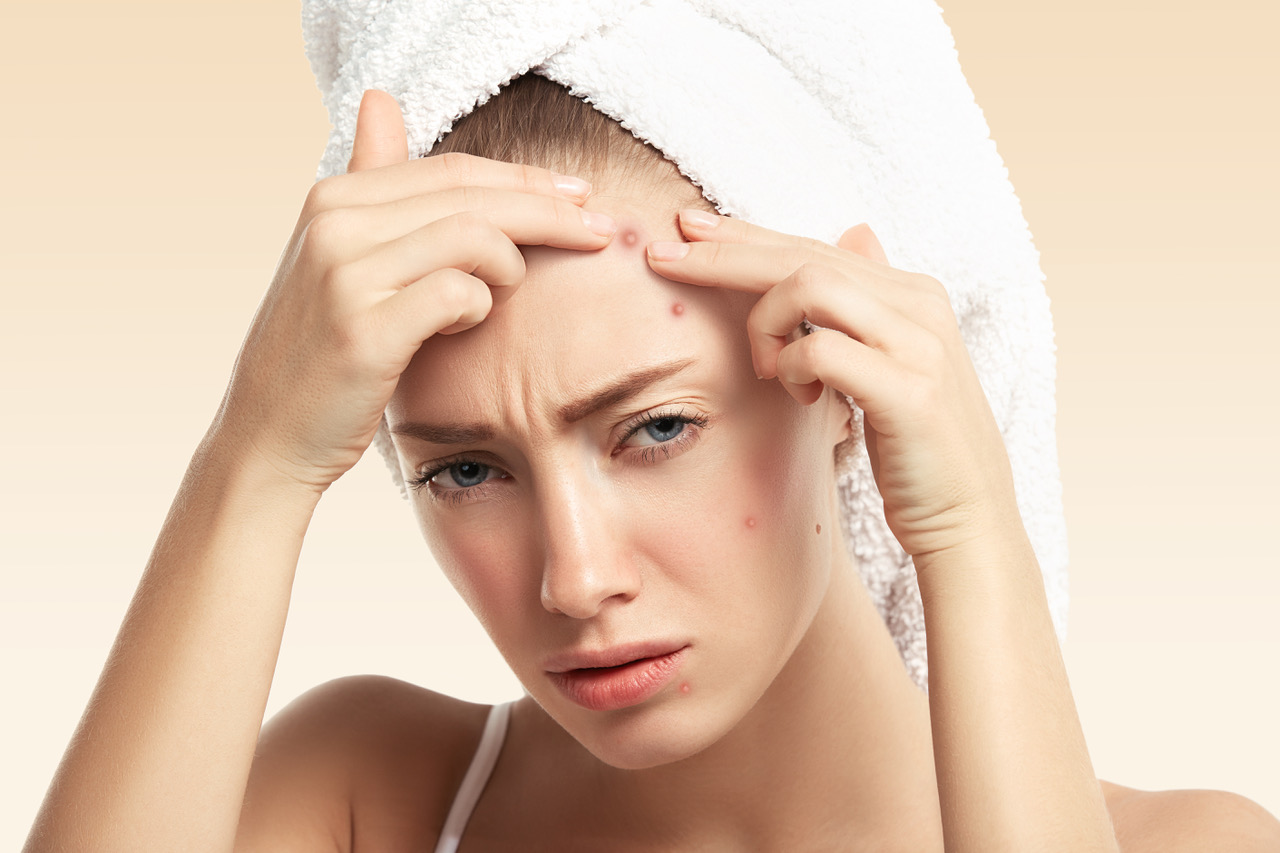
698,218
661,250
599,223
571,186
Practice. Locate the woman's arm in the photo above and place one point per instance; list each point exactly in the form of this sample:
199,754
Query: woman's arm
162,753
1013,769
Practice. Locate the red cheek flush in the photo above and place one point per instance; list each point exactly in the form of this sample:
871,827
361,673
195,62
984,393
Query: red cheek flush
677,309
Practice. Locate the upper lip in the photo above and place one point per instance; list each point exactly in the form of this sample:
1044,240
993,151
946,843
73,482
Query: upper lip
612,656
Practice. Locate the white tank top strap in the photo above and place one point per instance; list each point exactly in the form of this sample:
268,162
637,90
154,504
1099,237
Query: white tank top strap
486,756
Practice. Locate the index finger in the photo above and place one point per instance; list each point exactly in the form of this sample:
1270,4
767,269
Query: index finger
438,172
728,252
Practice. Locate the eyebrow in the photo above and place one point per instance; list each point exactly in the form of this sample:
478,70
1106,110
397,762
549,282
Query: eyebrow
616,392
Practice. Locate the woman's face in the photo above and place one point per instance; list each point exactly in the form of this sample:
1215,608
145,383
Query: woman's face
610,472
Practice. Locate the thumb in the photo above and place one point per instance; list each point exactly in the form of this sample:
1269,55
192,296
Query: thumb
380,137
862,241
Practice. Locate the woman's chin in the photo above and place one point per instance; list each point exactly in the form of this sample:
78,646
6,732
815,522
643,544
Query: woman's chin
643,737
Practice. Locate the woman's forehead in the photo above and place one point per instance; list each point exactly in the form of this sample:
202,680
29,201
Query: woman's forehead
577,317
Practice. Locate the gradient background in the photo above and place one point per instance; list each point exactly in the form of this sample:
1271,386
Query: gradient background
155,158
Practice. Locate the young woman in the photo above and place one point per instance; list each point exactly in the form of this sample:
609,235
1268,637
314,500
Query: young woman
619,443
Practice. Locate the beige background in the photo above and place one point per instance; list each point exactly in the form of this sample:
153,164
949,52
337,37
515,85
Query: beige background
154,159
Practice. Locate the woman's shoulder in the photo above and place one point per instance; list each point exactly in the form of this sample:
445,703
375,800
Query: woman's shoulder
363,761
1189,821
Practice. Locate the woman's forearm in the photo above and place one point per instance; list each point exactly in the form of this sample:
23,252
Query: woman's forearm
1014,773
161,756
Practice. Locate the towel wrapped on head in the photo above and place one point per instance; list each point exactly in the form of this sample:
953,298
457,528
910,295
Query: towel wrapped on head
807,118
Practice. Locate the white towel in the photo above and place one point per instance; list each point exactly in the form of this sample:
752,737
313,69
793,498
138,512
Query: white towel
805,117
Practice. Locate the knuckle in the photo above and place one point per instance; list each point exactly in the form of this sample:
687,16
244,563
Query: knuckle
932,350
470,197
471,227
715,253
809,282
452,290
936,303
531,177
458,167
326,232
323,195
821,347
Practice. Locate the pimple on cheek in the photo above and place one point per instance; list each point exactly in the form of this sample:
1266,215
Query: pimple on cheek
677,309
818,529
751,521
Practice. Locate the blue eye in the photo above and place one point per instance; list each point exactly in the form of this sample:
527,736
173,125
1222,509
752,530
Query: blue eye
466,474
667,432
453,479
665,428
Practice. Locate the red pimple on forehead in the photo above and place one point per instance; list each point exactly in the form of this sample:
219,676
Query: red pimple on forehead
751,522
677,309
629,236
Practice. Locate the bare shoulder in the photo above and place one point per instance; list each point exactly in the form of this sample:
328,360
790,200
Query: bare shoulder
1189,821
358,762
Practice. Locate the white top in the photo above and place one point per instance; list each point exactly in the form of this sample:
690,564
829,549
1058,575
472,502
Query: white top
486,756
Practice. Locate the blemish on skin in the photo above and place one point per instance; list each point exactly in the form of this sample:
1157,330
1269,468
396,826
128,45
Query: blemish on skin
630,237
751,522
677,309
819,529
684,688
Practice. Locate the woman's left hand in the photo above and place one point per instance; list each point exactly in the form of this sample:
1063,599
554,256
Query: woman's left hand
890,340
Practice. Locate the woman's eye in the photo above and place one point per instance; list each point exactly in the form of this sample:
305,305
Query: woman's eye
462,475
662,429
667,433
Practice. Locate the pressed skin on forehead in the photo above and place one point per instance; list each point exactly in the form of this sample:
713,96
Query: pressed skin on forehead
559,331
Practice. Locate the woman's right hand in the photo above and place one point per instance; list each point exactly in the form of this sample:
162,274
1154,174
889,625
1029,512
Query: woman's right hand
381,259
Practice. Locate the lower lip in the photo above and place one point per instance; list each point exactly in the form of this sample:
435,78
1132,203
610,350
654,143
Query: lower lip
611,688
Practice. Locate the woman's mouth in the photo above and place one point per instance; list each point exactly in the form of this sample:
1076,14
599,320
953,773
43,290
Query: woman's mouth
609,688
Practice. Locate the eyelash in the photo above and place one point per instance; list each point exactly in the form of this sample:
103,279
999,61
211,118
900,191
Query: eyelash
647,455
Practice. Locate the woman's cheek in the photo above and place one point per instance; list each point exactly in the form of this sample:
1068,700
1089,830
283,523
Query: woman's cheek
481,560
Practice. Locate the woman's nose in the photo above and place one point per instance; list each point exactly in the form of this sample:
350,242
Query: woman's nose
586,562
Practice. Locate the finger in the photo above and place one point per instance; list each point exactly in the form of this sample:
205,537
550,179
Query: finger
380,136
699,225
830,298
751,266
444,301
827,357
861,240
465,241
525,218
422,175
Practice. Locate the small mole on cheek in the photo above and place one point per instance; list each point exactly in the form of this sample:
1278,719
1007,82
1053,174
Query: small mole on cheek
751,522
819,529
684,688
677,309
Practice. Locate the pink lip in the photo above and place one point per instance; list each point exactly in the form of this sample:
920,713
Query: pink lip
615,656
616,678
